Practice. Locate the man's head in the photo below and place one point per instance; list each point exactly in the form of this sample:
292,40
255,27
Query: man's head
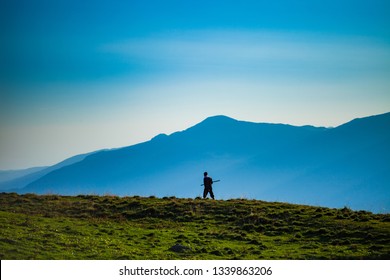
205,174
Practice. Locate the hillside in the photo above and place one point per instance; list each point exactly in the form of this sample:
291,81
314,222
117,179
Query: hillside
21,178
10,175
110,227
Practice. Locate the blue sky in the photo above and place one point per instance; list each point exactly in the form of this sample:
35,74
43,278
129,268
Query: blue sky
77,76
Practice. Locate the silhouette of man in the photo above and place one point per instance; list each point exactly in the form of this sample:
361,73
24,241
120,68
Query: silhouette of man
208,188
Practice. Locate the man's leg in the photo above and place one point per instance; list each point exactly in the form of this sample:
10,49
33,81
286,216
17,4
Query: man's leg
211,193
204,192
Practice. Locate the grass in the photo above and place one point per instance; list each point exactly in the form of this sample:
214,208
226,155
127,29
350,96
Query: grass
110,227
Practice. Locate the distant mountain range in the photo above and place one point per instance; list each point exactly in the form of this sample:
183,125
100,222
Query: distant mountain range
344,166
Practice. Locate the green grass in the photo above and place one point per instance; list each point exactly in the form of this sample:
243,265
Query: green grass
110,227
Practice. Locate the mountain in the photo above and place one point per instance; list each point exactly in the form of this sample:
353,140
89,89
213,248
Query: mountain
17,179
9,175
344,166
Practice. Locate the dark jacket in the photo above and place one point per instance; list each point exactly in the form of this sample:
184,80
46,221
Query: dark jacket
207,181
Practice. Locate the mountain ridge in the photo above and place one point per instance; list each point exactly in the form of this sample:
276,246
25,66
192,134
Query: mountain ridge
345,165
38,172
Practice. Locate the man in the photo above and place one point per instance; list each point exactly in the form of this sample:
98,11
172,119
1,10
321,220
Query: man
208,182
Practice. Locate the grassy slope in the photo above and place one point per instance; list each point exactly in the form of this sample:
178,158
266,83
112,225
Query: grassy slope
109,227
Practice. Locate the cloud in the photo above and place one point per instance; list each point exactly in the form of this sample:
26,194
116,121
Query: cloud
255,52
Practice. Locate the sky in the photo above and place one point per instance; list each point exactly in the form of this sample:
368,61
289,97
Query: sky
79,76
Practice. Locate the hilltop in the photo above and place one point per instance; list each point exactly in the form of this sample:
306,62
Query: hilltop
110,227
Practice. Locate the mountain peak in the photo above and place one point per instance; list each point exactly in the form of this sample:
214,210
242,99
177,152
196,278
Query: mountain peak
213,122
159,137
219,118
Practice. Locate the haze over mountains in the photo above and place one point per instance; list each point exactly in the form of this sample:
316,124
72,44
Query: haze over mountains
344,166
